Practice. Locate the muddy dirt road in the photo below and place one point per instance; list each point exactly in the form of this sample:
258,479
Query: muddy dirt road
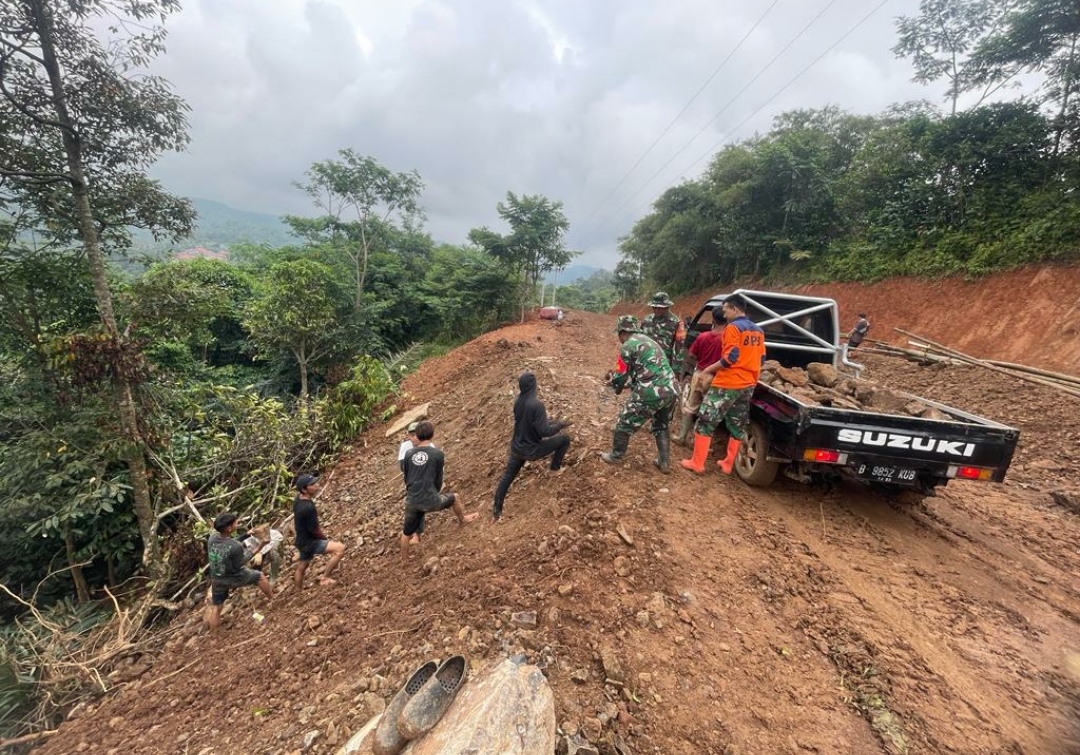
784,620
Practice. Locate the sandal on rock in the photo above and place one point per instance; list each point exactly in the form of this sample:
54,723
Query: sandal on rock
427,706
387,739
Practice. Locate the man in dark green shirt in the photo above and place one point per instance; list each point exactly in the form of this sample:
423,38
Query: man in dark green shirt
423,488
228,567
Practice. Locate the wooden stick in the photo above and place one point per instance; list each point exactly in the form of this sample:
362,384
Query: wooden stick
26,738
1036,371
972,360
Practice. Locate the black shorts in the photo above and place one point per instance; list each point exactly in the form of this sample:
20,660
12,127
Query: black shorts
220,593
316,548
414,517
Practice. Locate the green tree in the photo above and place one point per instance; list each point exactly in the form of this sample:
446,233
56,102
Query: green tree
534,245
1040,36
362,202
197,302
941,39
79,125
468,291
296,309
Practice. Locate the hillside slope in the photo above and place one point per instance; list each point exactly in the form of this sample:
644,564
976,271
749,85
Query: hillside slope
783,620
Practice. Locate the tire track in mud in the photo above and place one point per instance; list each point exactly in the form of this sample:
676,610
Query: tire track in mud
779,692
964,654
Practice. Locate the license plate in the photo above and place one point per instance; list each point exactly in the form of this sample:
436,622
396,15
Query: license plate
886,473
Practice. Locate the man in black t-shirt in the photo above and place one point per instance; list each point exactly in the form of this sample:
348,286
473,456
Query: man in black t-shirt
423,488
310,540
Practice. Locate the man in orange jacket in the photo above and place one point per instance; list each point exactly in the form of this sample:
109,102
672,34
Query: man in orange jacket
734,376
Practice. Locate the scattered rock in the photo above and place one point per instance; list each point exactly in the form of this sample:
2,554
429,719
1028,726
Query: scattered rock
624,535
592,729
565,589
524,619
622,566
431,566
613,668
576,745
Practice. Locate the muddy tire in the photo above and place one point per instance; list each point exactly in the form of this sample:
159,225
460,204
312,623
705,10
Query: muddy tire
752,465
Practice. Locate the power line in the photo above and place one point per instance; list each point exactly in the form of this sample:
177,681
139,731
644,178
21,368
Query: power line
685,107
782,89
692,139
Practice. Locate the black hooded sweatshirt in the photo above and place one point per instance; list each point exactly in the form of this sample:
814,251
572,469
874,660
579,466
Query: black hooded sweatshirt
530,420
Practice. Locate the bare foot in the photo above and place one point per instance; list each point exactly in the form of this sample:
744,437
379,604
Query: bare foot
470,517
327,581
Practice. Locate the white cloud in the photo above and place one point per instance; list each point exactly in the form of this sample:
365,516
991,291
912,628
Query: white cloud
556,97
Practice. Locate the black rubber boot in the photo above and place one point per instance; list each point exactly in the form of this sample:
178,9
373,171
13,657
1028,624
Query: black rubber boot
663,452
619,443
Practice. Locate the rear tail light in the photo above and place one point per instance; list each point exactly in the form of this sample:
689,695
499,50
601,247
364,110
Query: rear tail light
970,473
824,456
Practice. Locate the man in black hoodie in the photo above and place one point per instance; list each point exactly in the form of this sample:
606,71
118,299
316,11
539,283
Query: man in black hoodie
534,438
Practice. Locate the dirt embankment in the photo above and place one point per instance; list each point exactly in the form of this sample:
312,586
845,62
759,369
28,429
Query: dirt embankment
789,619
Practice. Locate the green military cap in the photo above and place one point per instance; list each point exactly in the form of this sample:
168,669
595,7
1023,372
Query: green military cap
661,299
627,324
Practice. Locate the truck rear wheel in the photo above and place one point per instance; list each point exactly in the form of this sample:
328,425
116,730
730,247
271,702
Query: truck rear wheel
752,464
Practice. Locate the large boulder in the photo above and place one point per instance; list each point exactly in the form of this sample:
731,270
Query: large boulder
823,374
509,709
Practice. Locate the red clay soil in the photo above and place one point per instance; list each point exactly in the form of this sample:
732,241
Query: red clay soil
788,619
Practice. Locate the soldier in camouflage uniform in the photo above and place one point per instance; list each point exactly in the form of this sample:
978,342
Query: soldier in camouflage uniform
668,330
653,394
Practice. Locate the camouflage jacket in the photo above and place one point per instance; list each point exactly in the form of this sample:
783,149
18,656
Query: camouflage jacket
670,333
648,372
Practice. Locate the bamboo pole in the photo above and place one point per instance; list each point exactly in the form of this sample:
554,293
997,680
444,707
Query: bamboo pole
994,368
1036,371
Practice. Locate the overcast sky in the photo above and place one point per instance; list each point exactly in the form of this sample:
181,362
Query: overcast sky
556,97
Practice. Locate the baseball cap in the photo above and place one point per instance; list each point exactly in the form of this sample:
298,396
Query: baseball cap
304,480
412,427
223,520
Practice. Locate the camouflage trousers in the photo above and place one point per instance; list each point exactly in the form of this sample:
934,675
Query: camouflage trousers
637,410
728,405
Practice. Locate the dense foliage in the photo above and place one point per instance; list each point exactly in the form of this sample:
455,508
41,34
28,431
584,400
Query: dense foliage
832,195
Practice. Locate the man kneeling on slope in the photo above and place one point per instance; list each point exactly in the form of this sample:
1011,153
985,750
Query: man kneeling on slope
423,488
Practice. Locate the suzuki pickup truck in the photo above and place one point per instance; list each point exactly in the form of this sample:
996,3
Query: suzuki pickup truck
808,441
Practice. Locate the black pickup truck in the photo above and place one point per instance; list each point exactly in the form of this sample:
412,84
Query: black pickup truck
889,451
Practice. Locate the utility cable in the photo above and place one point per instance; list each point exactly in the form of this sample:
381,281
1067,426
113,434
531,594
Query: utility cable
781,90
680,114
692,139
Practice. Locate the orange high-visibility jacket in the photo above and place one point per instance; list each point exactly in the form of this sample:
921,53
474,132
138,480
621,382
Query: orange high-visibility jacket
741,356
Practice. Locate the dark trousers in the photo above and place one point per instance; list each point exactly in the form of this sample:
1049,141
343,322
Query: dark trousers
556,444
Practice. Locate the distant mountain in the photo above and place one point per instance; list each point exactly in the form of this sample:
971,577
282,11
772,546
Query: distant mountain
572,273
220,226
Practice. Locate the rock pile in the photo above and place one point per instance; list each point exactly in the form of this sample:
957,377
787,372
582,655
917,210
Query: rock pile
823,385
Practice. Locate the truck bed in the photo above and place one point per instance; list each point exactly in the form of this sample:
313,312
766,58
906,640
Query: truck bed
896,442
